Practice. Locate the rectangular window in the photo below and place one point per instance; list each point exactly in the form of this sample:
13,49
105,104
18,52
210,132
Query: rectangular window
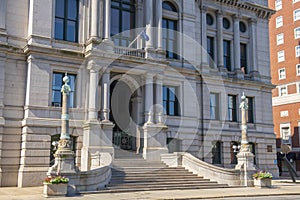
296,14
57,82
298,69
283,91
285,135
227,54
297,32
281,73
210,48
217,152
232,116
278,4
280,56
250,109
279,21
280,38
170,38
243,48
214,106
297,49
170,101
66,20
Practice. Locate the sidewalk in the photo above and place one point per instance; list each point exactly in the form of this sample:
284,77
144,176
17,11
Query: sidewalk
280,187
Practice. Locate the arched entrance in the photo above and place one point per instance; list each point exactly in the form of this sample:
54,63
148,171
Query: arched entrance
124,114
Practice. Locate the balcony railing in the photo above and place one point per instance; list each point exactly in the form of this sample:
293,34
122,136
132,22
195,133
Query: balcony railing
140,53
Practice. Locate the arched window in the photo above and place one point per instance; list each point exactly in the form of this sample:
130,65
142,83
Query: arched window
169,25
122,19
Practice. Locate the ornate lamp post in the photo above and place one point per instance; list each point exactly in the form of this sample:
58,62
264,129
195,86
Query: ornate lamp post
245,157
64,156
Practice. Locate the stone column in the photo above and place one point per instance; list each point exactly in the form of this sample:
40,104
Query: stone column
105,95
236,43
245,157
149,99
253,48
2,14
93,113
94,18
158,100
158,12
205,55
107,19
220,61
64,156
149,22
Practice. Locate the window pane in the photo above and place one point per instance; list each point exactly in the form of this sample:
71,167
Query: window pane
59,29
171,108
125,21
115,21
164,93
56,97
172,94
60,8
71,31
72,9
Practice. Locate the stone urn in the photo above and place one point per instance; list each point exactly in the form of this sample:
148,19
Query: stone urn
263,182
55,189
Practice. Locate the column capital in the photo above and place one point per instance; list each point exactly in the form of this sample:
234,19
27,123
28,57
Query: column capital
252,21
149,76
159,79
93,66
236,17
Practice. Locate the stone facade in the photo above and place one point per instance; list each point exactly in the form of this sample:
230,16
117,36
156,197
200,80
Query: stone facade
119,92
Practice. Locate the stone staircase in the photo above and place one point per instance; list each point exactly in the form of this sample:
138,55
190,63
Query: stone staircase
130,172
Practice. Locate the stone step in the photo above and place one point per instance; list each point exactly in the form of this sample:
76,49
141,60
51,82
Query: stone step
115,190
162,184
159,181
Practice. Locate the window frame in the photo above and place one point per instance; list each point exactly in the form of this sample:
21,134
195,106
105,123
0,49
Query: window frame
297,35
296,14
72,92
167,101
251,105
227,54
218,145
298,69
281,76
278,5
280,38
281,56
216,107
244,57
232,109
283,137
279,21
121,8
297,51
280,88
65,20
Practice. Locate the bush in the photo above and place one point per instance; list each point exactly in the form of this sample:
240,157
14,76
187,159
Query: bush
56,179
262,175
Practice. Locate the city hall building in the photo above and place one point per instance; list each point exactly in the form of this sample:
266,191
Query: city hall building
146,76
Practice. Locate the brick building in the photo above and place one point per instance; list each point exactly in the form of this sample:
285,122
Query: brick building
285,72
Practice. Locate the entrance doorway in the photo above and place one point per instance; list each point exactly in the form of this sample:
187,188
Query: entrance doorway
121,106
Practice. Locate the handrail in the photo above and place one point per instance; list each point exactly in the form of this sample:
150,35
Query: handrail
129,51
201,168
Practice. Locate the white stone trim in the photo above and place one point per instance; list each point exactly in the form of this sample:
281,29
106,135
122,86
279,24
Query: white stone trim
283,100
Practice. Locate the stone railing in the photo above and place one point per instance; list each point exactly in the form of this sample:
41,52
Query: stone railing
201,168
129,51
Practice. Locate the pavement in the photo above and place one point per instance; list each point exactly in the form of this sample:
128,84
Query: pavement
280,187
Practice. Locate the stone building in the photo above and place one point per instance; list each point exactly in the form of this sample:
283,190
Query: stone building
285,71
151,76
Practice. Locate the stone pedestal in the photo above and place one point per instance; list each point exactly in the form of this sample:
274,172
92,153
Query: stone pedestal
97,137
51,190
245,165
266,182
155,141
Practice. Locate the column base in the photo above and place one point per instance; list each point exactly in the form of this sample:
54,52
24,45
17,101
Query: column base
239,73
97,139
246,166
223,71
64,162
155,141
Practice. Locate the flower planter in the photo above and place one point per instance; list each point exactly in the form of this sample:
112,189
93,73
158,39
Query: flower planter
55,189
265,182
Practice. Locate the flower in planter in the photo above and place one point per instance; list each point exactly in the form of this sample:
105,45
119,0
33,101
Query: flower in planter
262,175
56,179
